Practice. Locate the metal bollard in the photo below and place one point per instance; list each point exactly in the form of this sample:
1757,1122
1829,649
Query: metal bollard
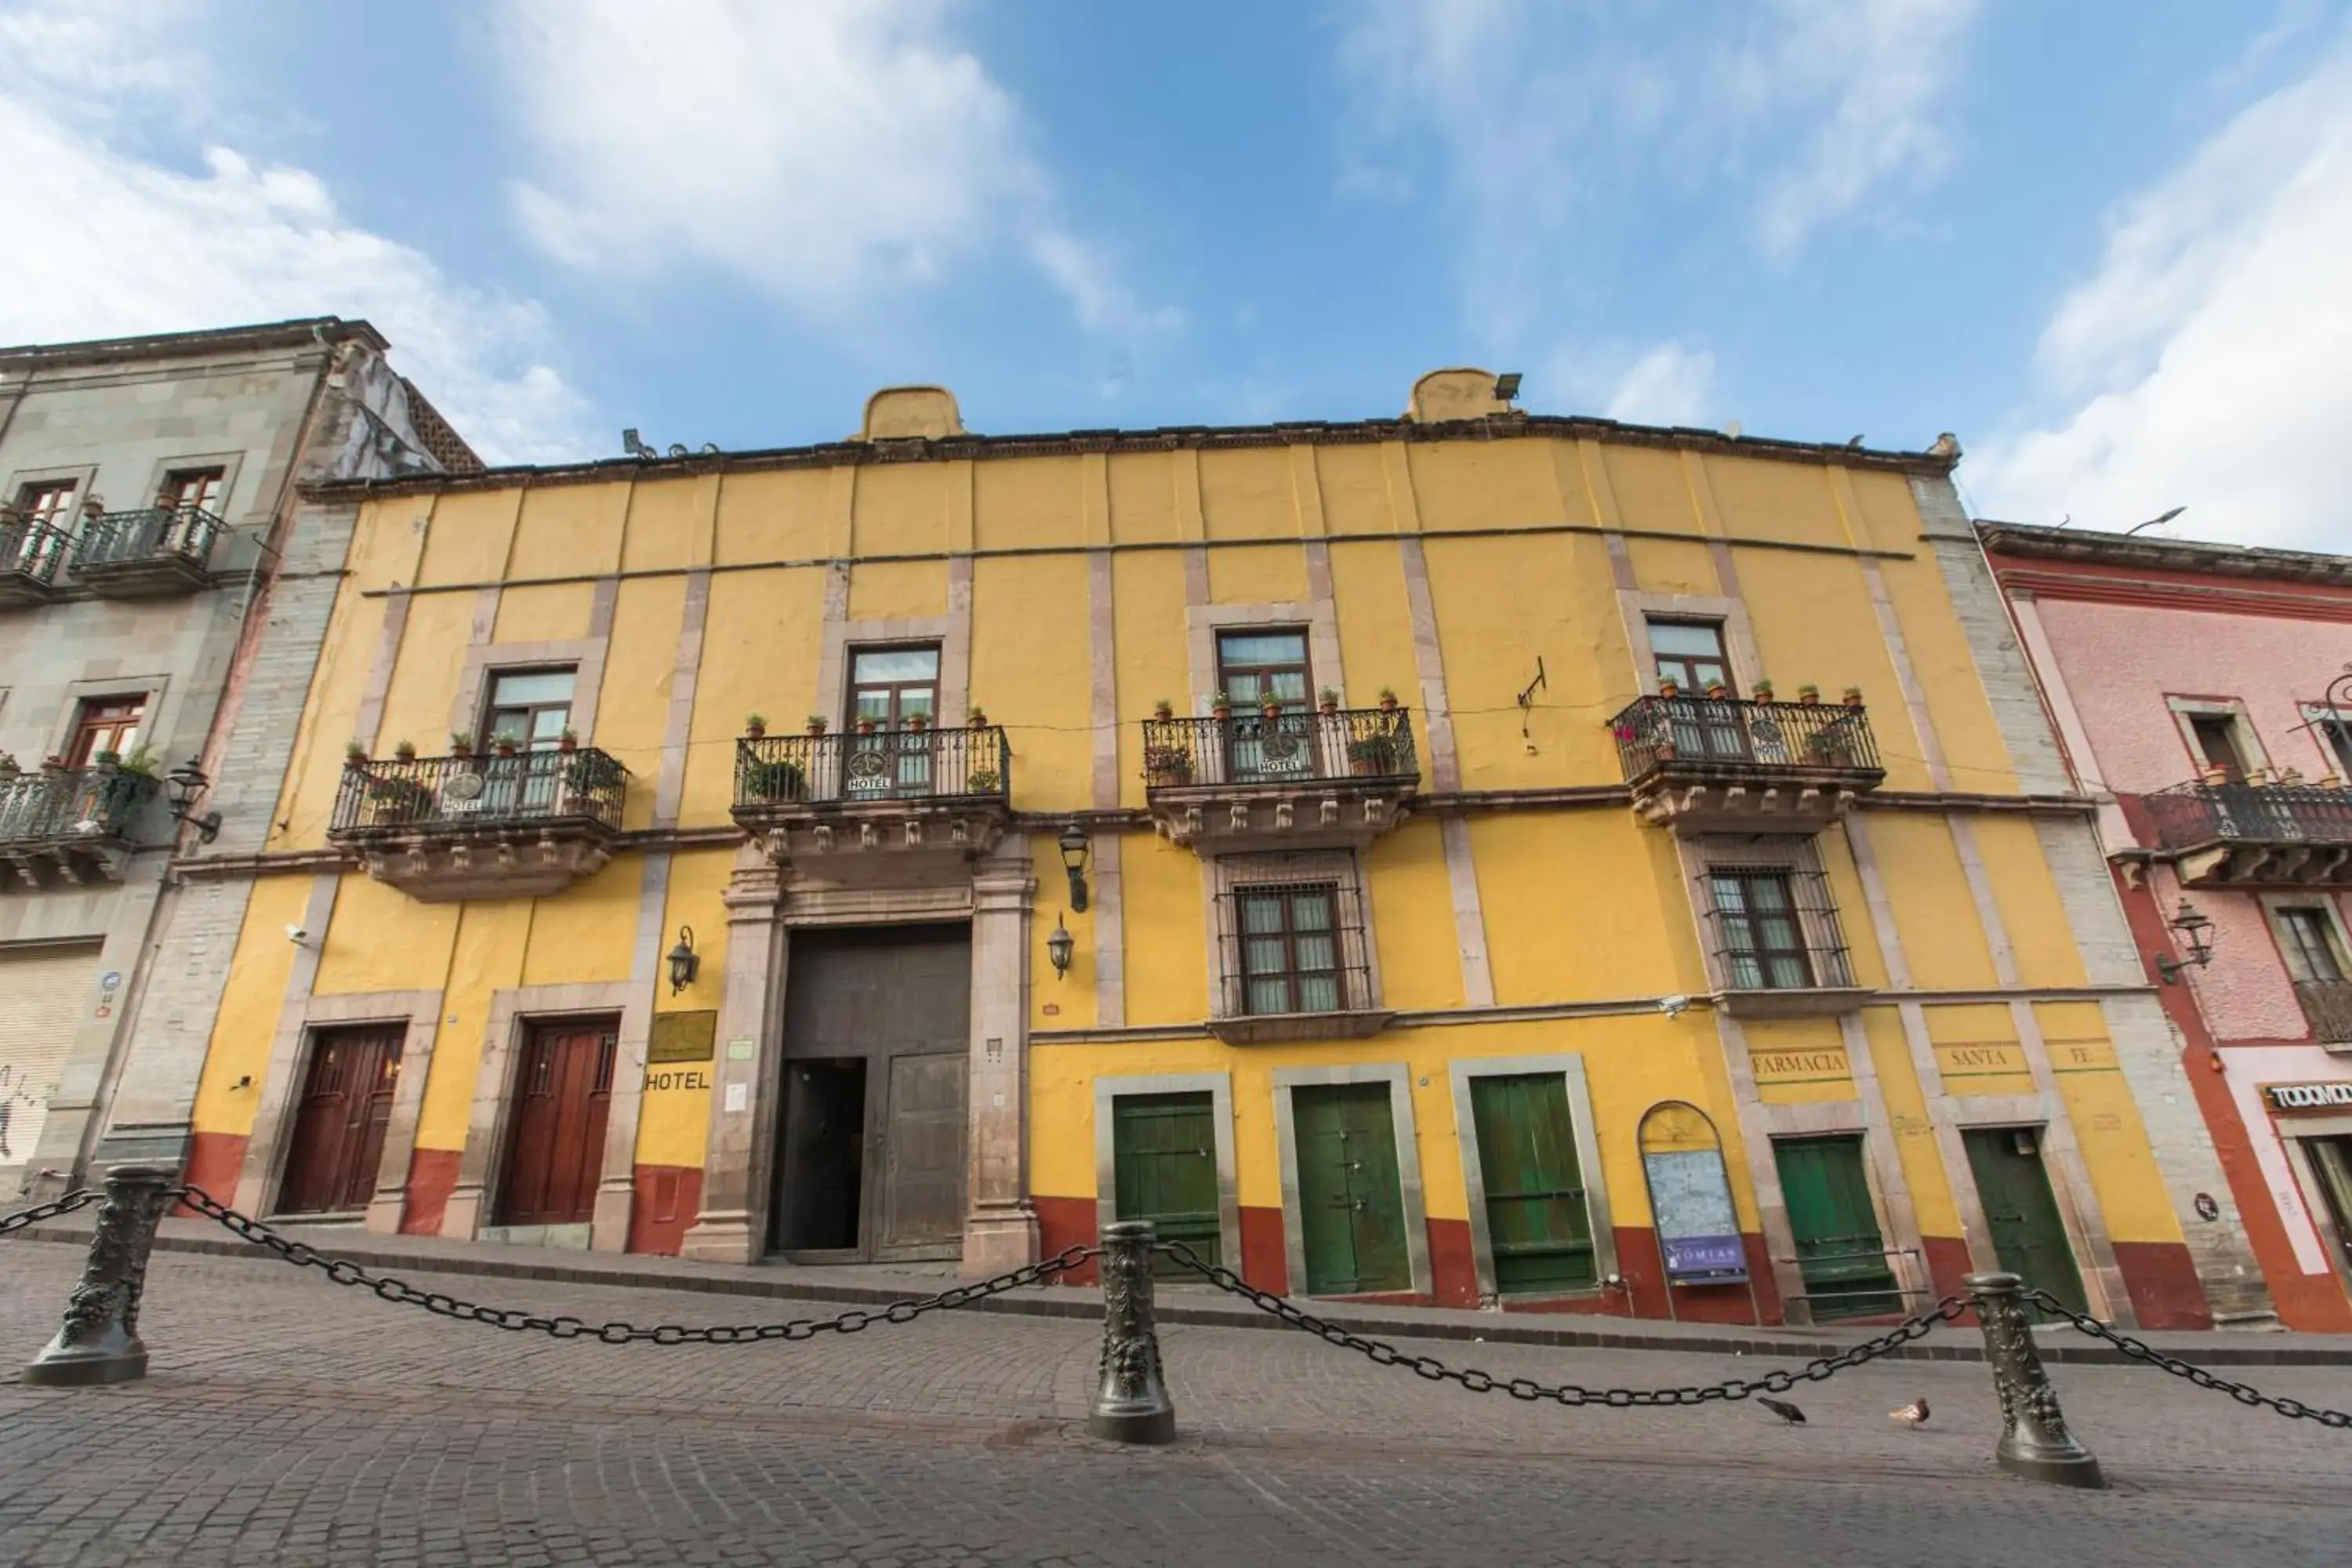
1132,1402
98,1340
2034,1439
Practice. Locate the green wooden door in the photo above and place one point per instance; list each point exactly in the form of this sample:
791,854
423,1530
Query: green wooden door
1164,1149
1839,1249
1350,1204
1536,1223
2028,1236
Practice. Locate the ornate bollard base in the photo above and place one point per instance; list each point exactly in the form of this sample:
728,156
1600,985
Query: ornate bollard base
2034,1439
99,1341
1131,1403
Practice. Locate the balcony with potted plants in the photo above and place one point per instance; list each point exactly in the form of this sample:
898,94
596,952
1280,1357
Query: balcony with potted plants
31,551
1715,764
62,826
152,553
909,798
1279,778
2266,830
505,824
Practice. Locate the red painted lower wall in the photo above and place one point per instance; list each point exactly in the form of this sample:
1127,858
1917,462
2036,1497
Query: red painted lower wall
1066,1222
2162,1280
665,1202
1947,1266
1452,1266
214,1161
1264,1264
431,1177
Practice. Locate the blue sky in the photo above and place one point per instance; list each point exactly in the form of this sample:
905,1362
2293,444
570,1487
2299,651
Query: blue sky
2102,242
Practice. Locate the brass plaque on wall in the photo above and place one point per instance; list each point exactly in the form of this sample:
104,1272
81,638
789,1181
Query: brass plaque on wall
683,1037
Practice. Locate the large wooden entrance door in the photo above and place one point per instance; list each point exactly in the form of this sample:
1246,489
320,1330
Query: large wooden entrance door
1350,1202
1536,1222
1839,1248
2028,1236
330,1164
1164,1162
555,1131
871,1141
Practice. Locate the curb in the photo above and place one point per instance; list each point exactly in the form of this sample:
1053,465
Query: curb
1558,1331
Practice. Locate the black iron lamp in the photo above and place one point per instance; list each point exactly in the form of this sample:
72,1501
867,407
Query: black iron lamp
187,784
1059,946
2195,929
1074,850
684,961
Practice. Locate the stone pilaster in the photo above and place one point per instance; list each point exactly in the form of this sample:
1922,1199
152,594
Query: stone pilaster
728,1229
1001,1224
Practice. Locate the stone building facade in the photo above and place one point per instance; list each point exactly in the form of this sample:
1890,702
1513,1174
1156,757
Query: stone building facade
162,600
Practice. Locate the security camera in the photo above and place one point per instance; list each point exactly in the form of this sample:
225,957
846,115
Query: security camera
296,935
1674,1006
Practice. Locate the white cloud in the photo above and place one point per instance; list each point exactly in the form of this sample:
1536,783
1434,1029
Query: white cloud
829,150
106,243
1670,384
2208,363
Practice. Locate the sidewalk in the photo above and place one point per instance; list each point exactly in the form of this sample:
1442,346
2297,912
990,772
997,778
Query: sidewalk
876,1285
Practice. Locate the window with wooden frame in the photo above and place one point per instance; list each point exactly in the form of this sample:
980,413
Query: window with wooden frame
2218,746
531,708
890,685
105,724
1762,941
1290,948
1690,653
1258,663
2312,944
196,490
48,500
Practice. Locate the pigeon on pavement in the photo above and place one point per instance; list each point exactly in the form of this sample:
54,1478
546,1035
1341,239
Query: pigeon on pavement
1912,1414
1784,1409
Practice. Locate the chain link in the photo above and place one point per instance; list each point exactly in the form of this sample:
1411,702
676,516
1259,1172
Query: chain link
80,1197
342,1271
2141,1350
1381,1353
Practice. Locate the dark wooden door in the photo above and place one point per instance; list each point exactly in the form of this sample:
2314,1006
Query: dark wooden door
1839,1248
555,1132
1164,1159
1536,1222
1350,1202
331,1166
898,999
2028,1236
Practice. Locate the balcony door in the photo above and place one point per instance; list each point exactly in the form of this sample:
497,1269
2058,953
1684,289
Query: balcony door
1690,653
106,724
49,500
1255,665
530,709
888,687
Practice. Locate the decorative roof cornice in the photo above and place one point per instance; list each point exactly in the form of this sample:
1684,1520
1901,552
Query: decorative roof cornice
2118,549
25,358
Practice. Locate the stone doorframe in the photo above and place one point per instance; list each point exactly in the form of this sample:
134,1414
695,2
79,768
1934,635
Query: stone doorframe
1762,1124
299,1023
2086,1232
764,903
1399,1080
1568,1066
1219,1087
513,1011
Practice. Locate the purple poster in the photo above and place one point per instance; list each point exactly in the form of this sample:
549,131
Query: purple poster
1705,1257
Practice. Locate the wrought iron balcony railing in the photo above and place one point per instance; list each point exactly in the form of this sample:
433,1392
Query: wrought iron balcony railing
69,807
1722,739
781,774
1372,745
154,546
425,796
30,552
2327,1006
2191,815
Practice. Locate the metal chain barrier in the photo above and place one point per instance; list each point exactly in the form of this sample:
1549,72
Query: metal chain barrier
1381,1353
2141,1350
342,1271
81,1197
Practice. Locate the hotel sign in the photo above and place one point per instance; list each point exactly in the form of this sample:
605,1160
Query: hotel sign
2308,1095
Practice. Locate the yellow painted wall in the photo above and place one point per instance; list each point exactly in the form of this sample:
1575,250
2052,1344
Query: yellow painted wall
251,1004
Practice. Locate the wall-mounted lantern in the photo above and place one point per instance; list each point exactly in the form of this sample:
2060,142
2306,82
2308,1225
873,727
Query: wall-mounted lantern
2194,929
1075,849
1059,946
187,784
684,961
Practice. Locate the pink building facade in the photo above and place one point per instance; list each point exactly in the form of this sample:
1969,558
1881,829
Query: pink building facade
2203,694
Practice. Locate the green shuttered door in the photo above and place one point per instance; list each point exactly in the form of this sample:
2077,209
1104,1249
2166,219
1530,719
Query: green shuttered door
1165,1149
2028,1236
1536,1221
1839,1249
1351,1207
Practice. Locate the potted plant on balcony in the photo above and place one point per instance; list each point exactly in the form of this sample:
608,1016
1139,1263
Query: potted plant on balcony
917,720
1163,709
504,745
1327,700
816,723
584,773
1372,756
405,750
1852,696
1388,699
983,781
53,763
1669,689
1166,767
569,741
1763,691
461,745
775,781
355,756
1809,694
1269,707
975,718
755,725
866,723
1831,746
1716,690
9,766
1221,706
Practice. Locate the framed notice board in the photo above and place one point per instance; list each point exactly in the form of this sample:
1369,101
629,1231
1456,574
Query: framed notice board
1690,1196
682,1038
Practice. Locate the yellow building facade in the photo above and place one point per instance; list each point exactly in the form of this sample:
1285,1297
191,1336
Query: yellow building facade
1436,932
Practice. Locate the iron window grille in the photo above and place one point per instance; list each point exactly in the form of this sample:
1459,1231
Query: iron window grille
1291,947
1773,926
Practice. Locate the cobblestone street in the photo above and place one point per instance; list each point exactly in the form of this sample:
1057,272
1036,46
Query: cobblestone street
289,1421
